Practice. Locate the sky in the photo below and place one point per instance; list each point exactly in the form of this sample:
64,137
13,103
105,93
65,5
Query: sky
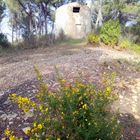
6,29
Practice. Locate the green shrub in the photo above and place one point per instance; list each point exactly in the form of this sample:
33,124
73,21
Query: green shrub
93,38
135,47
125,43
75,112
4,41
110,32
135,33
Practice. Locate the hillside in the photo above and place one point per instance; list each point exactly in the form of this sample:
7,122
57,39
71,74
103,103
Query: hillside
17,75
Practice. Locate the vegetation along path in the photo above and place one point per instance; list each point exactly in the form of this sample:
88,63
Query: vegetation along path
17,75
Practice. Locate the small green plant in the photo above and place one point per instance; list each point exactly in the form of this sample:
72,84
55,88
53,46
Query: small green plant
135,47
110,32
75,111
125,43
93,38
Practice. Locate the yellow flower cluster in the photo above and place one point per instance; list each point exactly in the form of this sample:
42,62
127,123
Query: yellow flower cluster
62,81
67,107
9,134
38,126
27,131
85,106
42,109
23,102
75,90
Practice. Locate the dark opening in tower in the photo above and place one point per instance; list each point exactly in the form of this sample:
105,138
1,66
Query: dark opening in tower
76,9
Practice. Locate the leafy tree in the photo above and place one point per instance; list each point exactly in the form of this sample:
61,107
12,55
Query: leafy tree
2,8
32,17
97,14
29,18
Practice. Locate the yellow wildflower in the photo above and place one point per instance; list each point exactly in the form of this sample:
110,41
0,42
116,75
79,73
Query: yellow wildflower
85,106
39,126
13,95
63,81
108,89
34,124
12,138
33,104
27,130
75,90
80,85
40,107
58,139
7,132
46,109
89,123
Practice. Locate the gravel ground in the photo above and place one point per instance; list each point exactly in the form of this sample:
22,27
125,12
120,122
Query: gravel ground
17,76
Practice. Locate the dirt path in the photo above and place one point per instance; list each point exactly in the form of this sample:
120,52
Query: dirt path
17,75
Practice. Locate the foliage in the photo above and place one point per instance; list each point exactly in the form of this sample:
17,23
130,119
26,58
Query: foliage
45,40
3,41
110,32
135,48
132,33
93,38
10,134
135,32
75,111
124,43
116,5
112,5
133,9
32,17
2,8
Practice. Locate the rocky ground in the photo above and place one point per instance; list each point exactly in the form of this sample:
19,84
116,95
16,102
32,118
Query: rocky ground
17,76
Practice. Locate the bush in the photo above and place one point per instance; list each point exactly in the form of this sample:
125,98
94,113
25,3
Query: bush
46,40
134,32
110,32
135,47
75,112
93,38
36,41
125,43
3,41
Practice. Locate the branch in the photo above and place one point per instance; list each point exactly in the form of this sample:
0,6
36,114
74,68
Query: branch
24,8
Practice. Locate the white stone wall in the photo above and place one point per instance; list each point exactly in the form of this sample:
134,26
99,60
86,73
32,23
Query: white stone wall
74,25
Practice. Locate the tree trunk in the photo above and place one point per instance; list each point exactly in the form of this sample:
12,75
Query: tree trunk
12,31
44,9
99,20
46,25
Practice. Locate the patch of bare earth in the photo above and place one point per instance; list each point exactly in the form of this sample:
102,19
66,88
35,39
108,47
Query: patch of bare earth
17,75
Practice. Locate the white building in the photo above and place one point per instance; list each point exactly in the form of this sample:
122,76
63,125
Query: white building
73,19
